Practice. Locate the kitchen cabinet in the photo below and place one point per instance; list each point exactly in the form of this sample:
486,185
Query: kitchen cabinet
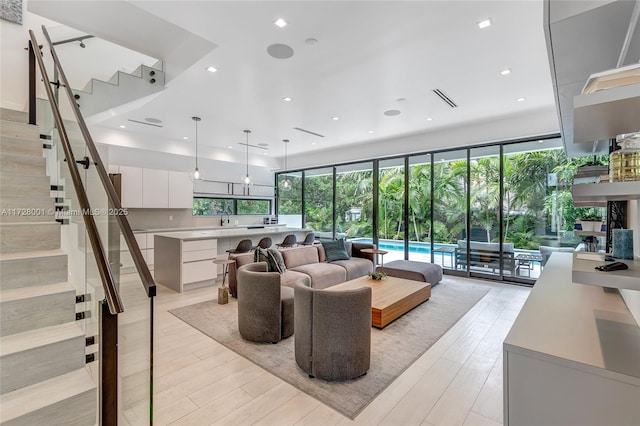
155,188
131,191
180,190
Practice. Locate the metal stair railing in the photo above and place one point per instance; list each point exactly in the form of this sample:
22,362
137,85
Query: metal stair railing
109,272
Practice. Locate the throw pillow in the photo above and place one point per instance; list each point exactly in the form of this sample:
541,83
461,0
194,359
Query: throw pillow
275,263
276,256
335,250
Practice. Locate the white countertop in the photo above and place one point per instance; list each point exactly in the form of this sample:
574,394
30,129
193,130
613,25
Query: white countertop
580,325
198,228
208,233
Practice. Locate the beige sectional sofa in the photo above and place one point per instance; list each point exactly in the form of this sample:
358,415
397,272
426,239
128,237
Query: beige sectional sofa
310,261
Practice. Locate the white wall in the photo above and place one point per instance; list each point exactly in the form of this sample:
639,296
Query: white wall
533,123
212,169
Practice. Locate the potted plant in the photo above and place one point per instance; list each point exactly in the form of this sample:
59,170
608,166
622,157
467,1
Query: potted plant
591,222
377,275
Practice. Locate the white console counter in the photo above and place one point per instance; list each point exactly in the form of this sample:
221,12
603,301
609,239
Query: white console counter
184,260
572,356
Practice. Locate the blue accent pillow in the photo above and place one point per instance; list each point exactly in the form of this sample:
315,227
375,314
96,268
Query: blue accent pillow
335,250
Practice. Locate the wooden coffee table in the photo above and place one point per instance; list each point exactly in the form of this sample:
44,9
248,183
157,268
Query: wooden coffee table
390,298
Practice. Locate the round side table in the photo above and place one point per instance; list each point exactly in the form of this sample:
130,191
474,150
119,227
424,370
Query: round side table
376,251
223,291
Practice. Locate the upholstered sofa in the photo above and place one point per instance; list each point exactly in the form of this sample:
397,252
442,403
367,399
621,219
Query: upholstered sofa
311,262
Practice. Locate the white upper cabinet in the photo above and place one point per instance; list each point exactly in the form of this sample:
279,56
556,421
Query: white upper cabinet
131,191
151,188
180,190
155,188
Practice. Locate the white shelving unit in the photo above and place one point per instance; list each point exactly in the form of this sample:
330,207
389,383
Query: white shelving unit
584,272
606,113
603,192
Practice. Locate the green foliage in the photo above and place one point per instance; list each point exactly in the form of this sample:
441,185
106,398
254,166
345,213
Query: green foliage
536,200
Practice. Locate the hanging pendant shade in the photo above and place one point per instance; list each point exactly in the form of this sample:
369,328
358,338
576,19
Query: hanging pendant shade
246,179
196,174
285,185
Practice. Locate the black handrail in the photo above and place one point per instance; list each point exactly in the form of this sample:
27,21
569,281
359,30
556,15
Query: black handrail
110,290
114,200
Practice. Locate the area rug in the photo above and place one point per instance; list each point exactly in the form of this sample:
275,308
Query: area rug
393,349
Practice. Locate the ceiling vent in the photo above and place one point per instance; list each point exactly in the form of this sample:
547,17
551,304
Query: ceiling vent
309,131
253,146
143,122
445,98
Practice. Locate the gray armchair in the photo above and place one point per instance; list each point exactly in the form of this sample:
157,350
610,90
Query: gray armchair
265,308
333,332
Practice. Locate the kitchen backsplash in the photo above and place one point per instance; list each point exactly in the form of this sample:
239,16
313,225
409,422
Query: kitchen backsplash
183,218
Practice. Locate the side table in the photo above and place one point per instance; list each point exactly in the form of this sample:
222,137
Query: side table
376,251
223,291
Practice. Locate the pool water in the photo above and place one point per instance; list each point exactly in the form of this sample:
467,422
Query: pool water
414,246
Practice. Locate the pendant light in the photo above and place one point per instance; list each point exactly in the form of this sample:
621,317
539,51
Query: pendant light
246,179
196,175
286,183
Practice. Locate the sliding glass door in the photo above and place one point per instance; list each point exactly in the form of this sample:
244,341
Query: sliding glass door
419,225
450,208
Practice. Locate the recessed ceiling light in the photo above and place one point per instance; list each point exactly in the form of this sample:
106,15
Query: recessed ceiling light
211,68
185,138
541,141
369,131
265,153
485,23
281,23
122,126
263,144
429,118
313,143
230,147
311,41
401,99
520,99
335,118
506,72
287,99
392,113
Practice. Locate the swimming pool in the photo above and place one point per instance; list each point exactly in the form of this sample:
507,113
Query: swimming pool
414,246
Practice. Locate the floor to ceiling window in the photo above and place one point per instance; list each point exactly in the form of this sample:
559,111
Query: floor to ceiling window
391,223
354,200
419,225
496,211
318,201
449,208
289,206
483,245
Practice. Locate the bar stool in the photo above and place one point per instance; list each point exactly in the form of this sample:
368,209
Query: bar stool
289,241
243,246
264,243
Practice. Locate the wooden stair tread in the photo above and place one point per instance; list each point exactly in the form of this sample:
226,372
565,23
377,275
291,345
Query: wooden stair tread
35,338
34,291
31,398
31,254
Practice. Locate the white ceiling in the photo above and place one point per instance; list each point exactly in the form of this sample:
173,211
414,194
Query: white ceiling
369,54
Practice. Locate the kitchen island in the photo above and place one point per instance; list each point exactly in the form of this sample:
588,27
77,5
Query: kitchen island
184,260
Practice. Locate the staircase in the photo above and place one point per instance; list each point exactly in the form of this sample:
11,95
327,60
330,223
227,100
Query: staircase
98,96
44,377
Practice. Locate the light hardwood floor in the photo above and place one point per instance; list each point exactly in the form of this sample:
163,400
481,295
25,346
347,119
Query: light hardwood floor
458,381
